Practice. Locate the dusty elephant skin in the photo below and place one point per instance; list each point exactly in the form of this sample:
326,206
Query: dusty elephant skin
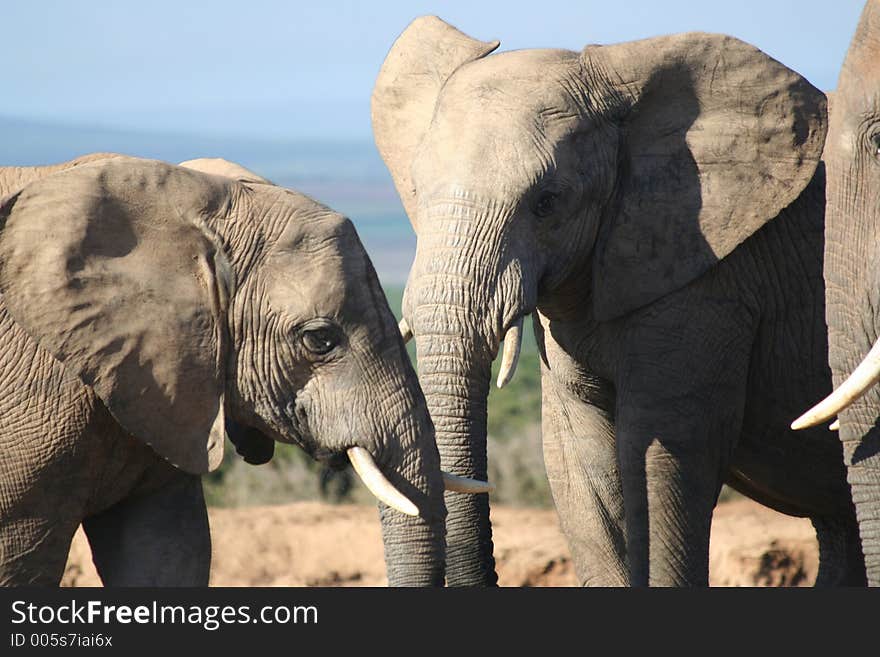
625,195
148,309
852,275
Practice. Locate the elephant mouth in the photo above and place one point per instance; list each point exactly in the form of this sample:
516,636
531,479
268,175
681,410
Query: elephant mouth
376,482
257,448
251,444
333,459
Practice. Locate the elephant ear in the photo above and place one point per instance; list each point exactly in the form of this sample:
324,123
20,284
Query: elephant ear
416,68
112,269
716,139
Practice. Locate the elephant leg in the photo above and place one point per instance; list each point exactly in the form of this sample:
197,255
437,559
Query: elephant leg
669,494
41,503
46,476
34,552
582,470
841,562
680,399
156,538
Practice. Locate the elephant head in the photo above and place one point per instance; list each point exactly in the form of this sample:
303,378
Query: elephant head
852,275
580,183
192,303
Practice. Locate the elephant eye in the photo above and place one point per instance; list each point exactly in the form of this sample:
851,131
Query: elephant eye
545,204
875,144
320,341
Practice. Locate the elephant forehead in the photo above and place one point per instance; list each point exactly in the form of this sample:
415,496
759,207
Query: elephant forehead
489,158
312,228
321,277
540,103
521,82
503,129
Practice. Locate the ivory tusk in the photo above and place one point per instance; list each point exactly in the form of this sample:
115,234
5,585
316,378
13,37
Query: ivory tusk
405,330
458,484
376,482
858,383
834,426
512,345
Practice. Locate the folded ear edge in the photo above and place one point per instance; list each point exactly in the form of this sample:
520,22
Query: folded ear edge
420,61
110,351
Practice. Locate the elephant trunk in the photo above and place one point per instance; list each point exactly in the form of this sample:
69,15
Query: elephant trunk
456,390
859,433
852,274
466,291
415,545
414,548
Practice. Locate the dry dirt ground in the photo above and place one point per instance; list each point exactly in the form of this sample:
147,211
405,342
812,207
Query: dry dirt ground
314,544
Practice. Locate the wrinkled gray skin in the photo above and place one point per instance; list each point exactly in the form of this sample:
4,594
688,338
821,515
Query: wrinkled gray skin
625,194
146,307
852,264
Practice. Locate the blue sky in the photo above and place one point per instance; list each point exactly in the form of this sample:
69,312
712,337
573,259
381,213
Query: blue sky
294,70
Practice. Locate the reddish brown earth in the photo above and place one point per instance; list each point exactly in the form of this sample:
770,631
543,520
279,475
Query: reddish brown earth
314,544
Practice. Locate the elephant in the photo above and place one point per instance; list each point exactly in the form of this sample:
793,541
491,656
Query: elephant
852,277
658,206
148,310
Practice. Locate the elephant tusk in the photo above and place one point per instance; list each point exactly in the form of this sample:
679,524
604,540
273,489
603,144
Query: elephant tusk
858,383
512,345
834,426
458,484
376,482
405,330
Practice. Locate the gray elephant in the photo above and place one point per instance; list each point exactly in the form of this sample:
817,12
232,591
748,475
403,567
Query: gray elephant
148,309
625,195
852,276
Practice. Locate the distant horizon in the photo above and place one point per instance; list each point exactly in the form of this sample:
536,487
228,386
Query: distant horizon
95,123
29,141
